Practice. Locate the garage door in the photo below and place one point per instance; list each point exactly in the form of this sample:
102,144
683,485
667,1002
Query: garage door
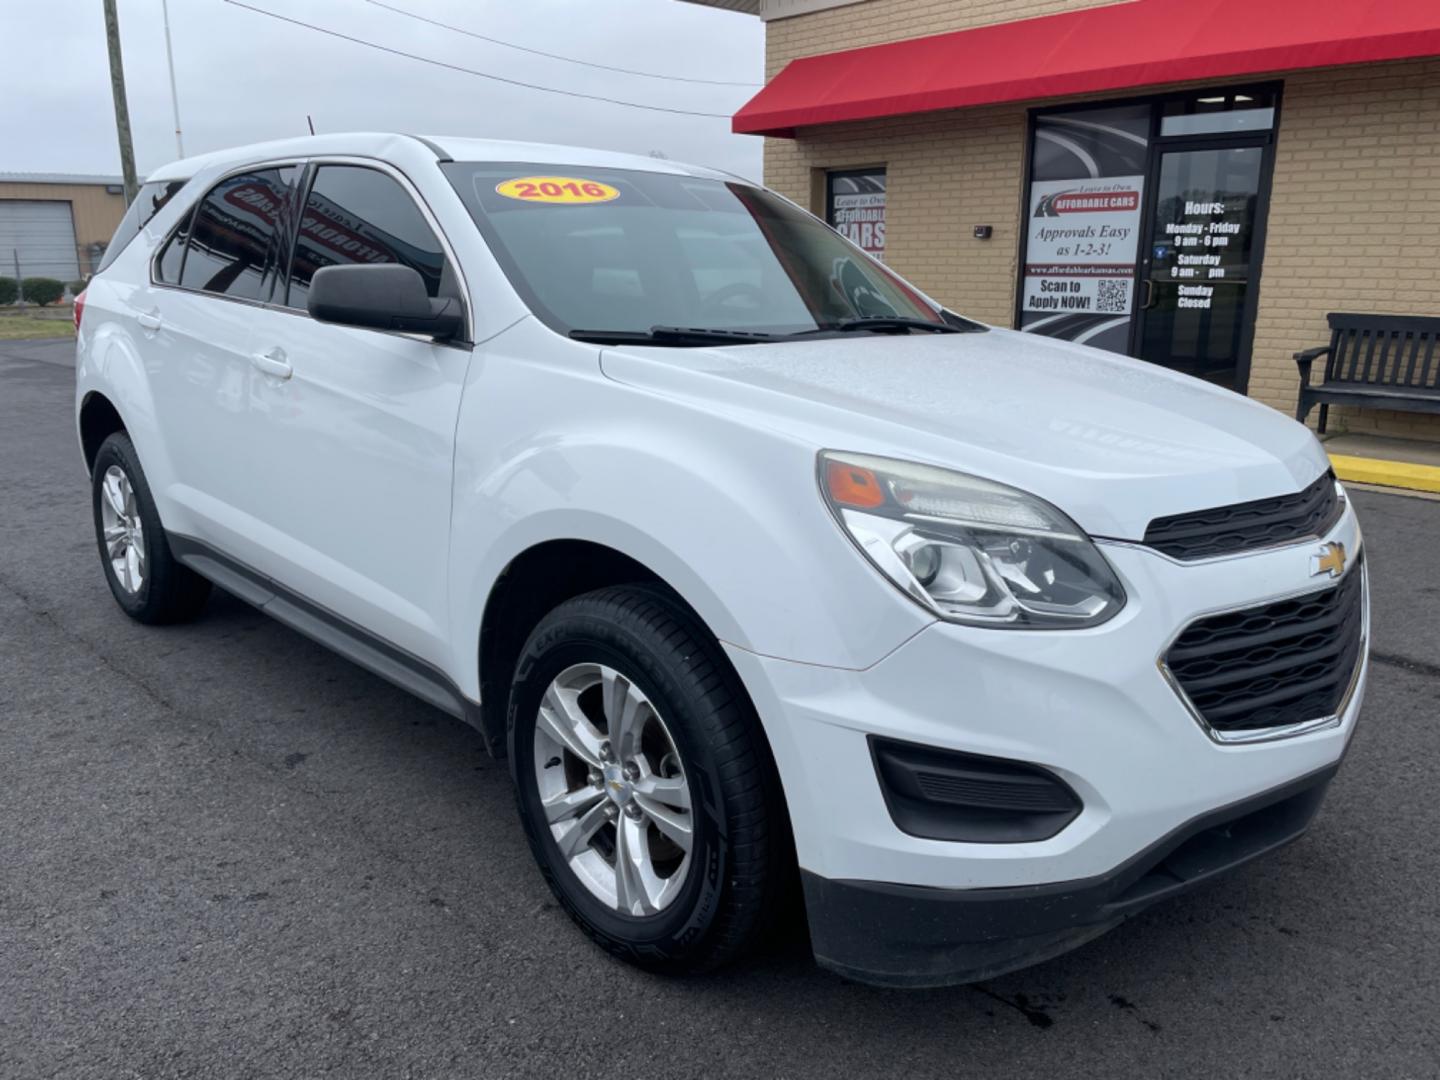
43,233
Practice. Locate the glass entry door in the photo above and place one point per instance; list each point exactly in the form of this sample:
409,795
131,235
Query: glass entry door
1198,272
1144,227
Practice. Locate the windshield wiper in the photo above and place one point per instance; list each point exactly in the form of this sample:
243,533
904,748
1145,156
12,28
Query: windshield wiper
672,335
894,323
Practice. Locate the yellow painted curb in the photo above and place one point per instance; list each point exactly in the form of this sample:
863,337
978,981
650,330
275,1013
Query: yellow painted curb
1399,474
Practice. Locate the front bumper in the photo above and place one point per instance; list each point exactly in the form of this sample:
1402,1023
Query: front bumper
912,936
1091,706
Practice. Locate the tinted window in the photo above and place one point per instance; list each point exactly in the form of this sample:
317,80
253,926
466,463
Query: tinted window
359,215
235,234
150,200
172,257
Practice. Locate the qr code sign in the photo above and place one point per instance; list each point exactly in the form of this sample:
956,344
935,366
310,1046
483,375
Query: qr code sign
1112,296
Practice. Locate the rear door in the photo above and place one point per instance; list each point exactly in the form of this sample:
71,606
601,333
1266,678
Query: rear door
355,445
197,321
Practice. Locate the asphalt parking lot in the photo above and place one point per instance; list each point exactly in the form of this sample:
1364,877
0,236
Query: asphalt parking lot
226,852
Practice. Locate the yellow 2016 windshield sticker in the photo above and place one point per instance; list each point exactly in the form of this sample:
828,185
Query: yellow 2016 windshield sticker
556,189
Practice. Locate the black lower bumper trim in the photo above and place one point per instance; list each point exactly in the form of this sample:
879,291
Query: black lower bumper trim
915,936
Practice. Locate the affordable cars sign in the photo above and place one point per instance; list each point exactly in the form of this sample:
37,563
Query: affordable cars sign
1082,247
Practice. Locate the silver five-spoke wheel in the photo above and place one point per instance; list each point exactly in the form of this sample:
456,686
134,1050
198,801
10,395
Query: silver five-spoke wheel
613,790
123,531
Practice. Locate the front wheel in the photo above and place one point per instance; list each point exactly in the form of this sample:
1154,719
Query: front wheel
643,781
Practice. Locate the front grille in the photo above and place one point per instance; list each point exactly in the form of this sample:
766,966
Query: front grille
1282,663
1225,530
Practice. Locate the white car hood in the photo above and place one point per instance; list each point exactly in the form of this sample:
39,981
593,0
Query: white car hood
1114,442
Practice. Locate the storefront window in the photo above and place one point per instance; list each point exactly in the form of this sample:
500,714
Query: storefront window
855,205
1145,227
1218,113
1087,188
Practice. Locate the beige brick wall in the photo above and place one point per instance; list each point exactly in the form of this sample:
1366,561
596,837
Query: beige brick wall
944,175
1354,217
877,21
1354,221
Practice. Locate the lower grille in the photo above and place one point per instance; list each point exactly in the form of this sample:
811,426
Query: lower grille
1277,664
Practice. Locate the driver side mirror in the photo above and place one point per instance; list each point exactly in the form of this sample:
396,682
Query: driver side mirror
383,296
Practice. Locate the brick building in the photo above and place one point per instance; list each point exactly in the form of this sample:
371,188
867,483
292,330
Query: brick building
1198,184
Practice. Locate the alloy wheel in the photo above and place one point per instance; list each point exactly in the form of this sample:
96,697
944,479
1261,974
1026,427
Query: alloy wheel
613,789
123,530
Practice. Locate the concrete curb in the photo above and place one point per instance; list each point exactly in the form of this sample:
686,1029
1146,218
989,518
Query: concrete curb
1394,474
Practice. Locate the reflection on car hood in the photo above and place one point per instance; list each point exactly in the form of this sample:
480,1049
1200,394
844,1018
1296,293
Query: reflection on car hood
1112,441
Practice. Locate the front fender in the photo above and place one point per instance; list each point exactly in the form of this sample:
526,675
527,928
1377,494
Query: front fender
725,513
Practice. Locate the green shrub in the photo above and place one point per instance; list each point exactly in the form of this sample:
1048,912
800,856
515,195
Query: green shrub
76,287
8,290
42,290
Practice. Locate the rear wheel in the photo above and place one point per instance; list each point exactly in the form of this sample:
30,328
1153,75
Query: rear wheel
144,577
643,781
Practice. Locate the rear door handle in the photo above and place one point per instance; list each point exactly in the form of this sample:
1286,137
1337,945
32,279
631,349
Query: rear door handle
149,320
273,363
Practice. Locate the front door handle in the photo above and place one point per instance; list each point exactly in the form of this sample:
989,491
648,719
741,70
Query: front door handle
273,363
1149,284
149,320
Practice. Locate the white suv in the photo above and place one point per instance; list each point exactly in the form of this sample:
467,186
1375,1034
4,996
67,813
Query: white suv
760,566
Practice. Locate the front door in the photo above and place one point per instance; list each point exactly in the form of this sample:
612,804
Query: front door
353,434
1199,264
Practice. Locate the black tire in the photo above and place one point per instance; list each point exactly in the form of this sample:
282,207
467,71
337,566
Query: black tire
168,591
740,870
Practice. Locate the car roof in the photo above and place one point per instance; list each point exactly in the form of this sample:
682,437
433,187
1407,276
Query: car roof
384,145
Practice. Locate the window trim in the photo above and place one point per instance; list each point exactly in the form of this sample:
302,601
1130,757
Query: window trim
308,166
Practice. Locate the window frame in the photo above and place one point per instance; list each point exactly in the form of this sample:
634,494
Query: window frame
285,248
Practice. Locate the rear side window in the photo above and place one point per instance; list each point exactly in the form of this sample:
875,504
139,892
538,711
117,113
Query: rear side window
359,215
236,233
149,202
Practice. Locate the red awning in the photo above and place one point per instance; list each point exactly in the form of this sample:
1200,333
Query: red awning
1118,47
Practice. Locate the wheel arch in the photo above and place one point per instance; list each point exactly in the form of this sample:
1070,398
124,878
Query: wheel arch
534,582
98,419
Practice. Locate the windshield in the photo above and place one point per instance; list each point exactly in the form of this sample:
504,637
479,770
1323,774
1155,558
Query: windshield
617,250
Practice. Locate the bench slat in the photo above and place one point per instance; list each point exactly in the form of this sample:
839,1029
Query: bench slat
1416,340
1370,336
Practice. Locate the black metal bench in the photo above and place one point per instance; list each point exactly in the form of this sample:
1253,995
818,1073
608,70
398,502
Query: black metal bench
1374,361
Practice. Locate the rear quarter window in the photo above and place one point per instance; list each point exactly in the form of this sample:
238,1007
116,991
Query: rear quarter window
150,200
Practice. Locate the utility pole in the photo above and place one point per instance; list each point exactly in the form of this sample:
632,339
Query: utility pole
122,112
170,59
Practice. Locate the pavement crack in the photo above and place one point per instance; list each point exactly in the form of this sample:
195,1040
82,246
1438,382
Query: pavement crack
1404,663
1032,1011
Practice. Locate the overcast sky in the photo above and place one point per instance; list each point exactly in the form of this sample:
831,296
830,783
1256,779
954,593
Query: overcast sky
244,77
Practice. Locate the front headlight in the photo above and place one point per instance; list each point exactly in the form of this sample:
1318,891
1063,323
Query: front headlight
970,550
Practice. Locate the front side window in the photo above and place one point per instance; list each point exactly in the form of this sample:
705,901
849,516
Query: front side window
359,215
621,250
236,233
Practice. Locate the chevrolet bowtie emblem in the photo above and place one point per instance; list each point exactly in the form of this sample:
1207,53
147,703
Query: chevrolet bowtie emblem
1331,560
